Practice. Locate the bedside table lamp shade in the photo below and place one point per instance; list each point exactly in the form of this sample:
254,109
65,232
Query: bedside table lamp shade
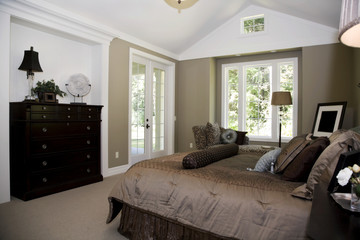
30,64
281,99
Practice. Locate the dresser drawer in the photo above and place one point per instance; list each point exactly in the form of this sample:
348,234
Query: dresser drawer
54,108
90,116
48,129
62,176
63,144
53,161
54,116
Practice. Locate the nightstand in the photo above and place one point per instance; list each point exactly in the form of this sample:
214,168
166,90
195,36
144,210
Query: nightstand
328,220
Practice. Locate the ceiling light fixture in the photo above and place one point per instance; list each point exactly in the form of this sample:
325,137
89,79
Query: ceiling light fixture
349,29
180,4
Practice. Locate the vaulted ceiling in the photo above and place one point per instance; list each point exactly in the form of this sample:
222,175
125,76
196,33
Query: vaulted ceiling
155,22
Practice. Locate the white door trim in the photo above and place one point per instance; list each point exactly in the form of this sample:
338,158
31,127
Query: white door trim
169,95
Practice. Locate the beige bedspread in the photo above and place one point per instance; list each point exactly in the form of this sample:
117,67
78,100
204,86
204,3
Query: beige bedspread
222,198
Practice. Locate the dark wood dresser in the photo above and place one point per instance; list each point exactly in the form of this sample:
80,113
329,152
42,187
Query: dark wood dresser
53,147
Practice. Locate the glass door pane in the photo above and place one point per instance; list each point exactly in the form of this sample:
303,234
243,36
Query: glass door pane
158,116
138,109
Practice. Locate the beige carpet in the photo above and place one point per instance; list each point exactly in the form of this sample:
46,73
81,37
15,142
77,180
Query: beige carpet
76,214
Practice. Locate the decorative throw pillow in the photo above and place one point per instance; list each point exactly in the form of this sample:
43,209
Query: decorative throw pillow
200,136
204,157
326,163
212,134
228,136
264,163
299,169
336,134
241,138
288,153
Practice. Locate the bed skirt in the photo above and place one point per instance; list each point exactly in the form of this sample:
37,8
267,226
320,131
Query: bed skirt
137,224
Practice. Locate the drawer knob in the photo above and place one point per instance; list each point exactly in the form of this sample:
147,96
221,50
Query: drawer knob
89,116
44,146
88,128
88,142
88,156
69,116
67,124
44,129
44,108
44,180
69,109
44,163
43,116
88,170
89,109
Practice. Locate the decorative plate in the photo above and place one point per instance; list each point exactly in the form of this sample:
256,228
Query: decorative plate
78,85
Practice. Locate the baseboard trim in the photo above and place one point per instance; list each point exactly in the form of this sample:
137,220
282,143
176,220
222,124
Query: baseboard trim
116,170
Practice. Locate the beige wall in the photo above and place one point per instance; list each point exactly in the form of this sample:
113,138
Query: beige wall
195,99
119,99
327,77
326,74
356,89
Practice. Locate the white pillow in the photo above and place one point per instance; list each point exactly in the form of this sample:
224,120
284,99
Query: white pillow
264,163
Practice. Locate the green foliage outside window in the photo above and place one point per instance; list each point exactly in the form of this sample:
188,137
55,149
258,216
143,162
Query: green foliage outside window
258,107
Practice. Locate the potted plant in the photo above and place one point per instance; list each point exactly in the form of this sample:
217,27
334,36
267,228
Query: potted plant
47,88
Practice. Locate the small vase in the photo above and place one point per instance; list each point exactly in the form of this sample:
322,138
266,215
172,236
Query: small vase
355,200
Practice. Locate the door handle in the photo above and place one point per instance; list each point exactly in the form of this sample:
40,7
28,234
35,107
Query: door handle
147,126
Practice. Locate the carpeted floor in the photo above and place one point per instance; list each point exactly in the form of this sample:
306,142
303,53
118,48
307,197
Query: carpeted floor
75,214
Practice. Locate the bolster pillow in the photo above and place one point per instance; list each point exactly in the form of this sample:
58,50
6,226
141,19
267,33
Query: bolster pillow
204,157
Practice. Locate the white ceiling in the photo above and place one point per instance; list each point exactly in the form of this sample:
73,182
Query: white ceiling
155,22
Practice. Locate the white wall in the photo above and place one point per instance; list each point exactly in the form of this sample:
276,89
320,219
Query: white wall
59,58
4,107
65,47
282,31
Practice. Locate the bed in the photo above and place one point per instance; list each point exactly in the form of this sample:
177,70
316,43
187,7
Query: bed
159,199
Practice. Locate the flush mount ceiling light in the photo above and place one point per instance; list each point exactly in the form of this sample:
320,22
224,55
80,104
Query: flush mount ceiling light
349,29
180,4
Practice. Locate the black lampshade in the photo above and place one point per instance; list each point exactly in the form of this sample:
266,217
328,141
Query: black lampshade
30,62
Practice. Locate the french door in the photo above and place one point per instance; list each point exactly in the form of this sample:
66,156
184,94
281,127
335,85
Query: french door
148,125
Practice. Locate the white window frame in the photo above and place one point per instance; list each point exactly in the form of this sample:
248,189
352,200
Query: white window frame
275,63
242,29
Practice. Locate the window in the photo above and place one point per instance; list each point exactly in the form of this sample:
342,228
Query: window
253,24
246,98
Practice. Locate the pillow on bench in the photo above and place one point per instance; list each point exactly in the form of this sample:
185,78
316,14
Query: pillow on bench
204,157
210,134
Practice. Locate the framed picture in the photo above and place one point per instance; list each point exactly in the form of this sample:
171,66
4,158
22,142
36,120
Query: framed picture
328,118
49,97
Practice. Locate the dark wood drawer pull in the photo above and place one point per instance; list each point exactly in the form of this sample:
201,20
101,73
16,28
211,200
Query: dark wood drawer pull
44,180
88,128
44,163
43,116
44,129
88,142
88,170
88,156
44,146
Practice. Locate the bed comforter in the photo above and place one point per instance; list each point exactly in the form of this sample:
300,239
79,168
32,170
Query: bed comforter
222,198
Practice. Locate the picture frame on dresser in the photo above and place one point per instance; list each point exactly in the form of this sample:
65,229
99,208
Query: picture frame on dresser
49,97
328,118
